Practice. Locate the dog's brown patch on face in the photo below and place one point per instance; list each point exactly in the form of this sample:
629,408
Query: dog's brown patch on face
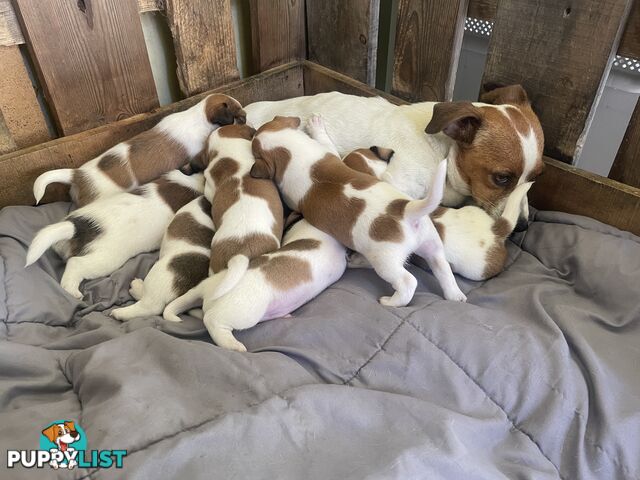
224,110
251,246
86,231
386,227
356,161
82,191
185,227
495,260
153,153
189,269
304,244
117,170
237,131
285,272
174,194
440,228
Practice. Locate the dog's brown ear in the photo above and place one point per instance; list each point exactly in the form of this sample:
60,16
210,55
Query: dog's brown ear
70,425
262,169
458,120
51,433
382,153
497,94
224,110
288,122
198,163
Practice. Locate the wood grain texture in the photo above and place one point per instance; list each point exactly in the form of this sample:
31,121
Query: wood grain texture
10,33
626,166
92,64
569,189
23,119
482,9
552,51
343,35
19,169
204,41
277,32
428,42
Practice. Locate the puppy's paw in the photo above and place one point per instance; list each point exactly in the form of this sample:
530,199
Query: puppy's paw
120,314
315,126
171,317
456,296
135,289
72,290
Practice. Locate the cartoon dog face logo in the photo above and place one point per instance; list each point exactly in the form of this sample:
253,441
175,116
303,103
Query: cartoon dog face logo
62,435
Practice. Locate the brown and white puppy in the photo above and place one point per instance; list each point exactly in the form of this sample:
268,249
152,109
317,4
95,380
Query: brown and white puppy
174,141
491,146
275,285
247,213
474,242
364,214
62,435
98,238
183,262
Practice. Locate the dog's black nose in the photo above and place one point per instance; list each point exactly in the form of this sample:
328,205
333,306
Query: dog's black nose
522,225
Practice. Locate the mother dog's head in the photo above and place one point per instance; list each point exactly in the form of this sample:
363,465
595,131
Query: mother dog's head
499,145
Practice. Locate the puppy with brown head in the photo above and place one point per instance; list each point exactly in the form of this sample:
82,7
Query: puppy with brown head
361,212
247,214
169,145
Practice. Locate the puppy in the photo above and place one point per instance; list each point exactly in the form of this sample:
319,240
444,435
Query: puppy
98,238
63,435
363,213
167,146
247,215
276,284
183,262
491,146
474,242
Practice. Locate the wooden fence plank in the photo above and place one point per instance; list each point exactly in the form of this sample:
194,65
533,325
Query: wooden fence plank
23,119
277,32
482,9
630,43
428,42
19,169
552,51
91,59
626,166
203,36
343,35
10,33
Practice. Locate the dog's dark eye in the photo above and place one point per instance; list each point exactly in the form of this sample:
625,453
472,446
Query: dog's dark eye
501,179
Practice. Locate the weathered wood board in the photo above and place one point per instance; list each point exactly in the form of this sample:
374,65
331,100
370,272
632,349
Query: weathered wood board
626,166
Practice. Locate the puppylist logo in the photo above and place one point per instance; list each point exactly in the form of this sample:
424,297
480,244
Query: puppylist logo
63,444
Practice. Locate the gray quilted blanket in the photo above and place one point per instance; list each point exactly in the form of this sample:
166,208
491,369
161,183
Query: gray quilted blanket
537,376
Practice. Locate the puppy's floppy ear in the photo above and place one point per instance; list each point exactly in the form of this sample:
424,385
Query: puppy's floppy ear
497,94
288,122
382,153
458,120
262,169
70,425
51,433
224,110
198,163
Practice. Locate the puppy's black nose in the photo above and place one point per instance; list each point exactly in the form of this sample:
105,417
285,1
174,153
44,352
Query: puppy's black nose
522,225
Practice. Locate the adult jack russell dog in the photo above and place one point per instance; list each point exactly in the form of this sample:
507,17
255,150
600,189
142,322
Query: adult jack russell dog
491,147
364,214
172,143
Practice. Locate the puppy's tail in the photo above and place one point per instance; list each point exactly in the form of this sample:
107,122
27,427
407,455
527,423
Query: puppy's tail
504,225
62,175
421,208
47,237
213,287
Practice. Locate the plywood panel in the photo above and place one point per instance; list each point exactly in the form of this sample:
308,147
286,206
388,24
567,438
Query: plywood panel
203,37
23,119
277,32
91,60
343,35
428,41
626,167
551,49
18,170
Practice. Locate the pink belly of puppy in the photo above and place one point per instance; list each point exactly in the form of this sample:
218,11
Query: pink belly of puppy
287,302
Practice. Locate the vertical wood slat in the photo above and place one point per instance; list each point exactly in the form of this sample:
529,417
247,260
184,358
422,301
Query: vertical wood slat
561,55
626,166
204,42
343,35
91,59
277,32
22,119
428,42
